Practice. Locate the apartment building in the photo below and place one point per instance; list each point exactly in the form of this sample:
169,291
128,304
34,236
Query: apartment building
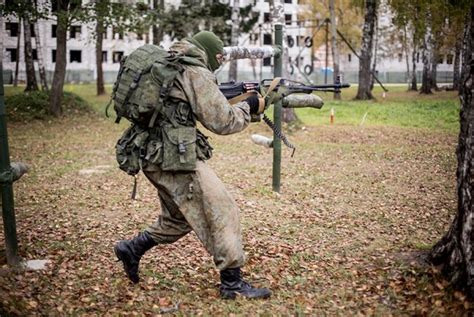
304,61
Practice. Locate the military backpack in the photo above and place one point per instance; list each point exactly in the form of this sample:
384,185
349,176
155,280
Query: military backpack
140,95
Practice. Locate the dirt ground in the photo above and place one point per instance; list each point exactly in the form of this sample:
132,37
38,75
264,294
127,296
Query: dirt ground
358,209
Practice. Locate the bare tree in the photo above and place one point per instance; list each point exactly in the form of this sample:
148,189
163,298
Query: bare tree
364,92
455,251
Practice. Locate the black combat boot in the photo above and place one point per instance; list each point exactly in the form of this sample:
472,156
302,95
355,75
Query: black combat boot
131,251
232,285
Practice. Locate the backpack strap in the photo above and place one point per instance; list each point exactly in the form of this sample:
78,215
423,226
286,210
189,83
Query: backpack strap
173,60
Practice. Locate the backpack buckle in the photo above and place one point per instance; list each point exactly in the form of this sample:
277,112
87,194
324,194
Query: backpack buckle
181,148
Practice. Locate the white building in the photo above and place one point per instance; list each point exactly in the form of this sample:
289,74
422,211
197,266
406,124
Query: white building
305,59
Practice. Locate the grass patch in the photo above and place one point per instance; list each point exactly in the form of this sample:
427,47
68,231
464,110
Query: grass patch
26,106
399,108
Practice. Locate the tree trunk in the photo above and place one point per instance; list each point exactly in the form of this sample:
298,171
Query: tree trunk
455,251
56,94
374,63
456,64
363,92
99,30
407,53
234,39
434,67
17,64
465,52
334,48
414,84
39,53
158,6
31,84
426,77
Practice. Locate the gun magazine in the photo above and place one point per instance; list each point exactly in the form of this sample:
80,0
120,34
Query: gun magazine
279,133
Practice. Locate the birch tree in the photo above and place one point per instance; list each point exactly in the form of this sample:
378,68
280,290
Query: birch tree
364,92
455,251
234,39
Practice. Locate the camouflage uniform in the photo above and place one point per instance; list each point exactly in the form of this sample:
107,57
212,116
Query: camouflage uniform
198,200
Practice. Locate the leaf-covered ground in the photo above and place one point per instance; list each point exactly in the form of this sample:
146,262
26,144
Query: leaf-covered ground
358,205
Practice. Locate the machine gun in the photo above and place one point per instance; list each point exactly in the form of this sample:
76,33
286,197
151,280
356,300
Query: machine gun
277,89
293,94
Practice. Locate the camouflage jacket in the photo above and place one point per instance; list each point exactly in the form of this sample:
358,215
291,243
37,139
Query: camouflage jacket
196,87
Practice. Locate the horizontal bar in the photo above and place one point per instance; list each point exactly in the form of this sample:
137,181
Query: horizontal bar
240,52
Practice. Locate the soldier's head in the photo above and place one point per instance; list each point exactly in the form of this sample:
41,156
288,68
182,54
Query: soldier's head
213,46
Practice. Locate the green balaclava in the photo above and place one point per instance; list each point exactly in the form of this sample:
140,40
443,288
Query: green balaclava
212,45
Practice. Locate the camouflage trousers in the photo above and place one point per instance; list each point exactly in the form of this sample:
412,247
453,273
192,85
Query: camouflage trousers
198,201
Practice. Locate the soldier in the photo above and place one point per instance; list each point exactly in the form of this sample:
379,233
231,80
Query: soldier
197,200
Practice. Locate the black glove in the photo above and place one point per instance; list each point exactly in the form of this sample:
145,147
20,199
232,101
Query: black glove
253,102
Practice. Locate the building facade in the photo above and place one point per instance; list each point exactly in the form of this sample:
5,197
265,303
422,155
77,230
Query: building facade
304,61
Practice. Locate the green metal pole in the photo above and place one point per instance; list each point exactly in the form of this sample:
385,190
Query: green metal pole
6,185
277,111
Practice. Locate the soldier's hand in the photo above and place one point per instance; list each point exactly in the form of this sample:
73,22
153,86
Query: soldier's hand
256,103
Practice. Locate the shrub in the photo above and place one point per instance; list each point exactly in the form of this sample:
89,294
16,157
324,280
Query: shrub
34,105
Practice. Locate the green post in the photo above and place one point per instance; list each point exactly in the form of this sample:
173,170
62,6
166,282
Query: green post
6,184
277,110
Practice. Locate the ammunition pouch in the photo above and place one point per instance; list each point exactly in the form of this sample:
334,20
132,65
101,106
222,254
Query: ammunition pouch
179,148
130,149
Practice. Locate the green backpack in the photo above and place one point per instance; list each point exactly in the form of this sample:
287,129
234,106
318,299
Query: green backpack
143,83
139,95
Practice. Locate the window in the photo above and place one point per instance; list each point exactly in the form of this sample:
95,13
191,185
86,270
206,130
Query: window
32,30
288,19
139,36
400,57
35,54
349,57
267,39
75,56
54,28
12,53
53,56
417,57
75,32
12,29
266,17
288,1
104,34
117,56
440,59
267,61
104,56
449,59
